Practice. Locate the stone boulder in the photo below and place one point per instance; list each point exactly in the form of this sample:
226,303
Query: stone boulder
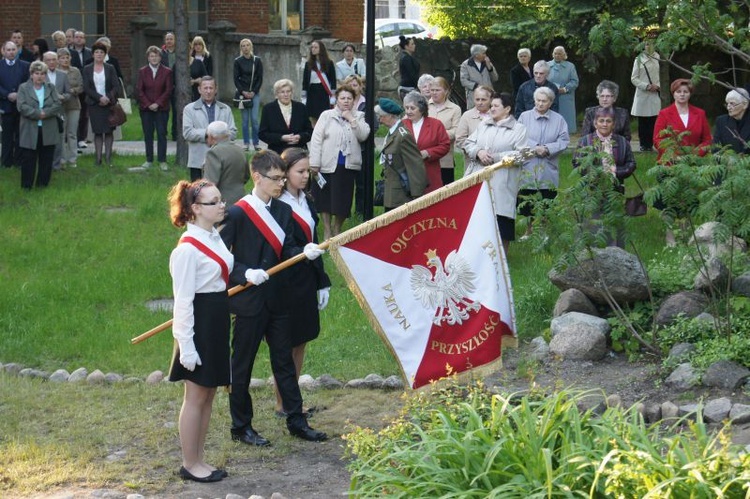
538,349
714,275
579,336
573,300
683,378
620,270
681,351
740,414
688,303
717,410
713,244
741,284
726,374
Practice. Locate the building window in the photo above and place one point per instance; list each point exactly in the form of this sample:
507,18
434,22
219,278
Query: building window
84,15
285,16
162,11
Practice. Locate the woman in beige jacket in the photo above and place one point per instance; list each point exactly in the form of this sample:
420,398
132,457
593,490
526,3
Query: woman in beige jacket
335,158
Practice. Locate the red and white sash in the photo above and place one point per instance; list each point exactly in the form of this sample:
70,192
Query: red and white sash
323,80
211,254
303,219
256,211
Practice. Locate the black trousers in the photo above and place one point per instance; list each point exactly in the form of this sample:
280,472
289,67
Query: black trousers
11,151
150,121
646,131
248,333
83,119
29,158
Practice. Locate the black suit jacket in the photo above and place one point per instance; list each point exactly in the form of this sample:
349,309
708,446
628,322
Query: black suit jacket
309,276
727,131
11,78
75,58
518,76
111,84
251,250
273,126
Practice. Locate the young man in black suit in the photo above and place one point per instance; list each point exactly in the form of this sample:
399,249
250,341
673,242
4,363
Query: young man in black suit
259,231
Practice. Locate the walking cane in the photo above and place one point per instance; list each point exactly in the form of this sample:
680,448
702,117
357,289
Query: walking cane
233,291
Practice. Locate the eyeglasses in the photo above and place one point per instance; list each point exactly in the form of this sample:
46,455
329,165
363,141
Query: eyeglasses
732,105
212,203
278,180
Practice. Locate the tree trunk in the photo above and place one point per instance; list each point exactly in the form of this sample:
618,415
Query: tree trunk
181,75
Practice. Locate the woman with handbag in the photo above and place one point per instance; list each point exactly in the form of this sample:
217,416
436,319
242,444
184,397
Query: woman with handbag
613,153
201,64
101,87
39,106
318,81
248,77
336,157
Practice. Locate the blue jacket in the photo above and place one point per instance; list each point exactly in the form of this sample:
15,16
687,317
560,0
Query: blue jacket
11,78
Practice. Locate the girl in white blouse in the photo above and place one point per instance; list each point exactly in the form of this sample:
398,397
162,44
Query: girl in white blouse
200,267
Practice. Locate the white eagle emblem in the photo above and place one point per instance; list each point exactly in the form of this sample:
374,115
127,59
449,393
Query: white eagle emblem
447,290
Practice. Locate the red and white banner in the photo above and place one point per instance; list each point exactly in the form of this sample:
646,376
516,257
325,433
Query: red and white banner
433,280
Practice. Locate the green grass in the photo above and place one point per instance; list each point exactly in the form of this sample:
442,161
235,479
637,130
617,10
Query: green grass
82,257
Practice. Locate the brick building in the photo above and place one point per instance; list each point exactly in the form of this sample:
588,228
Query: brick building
39,18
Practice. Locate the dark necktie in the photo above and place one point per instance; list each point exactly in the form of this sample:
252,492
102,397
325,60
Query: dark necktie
210,110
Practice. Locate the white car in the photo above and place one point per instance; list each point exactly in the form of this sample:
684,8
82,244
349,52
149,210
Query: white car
387,31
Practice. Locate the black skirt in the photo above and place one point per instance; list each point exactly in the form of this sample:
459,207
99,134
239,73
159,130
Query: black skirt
211,311
317,100
337,195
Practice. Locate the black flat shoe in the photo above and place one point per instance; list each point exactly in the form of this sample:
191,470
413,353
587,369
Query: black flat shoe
215,476
309,434
221,473
250,437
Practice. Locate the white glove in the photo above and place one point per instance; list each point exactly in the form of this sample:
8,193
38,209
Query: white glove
189,357
332,100
323,295
312,251
303,97
256,276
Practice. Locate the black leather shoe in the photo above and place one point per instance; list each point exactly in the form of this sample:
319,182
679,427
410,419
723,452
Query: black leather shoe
221,473
250,437
215,476
309,434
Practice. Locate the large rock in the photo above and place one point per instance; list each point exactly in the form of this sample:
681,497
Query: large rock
714,275
726,374
573,300
741,284
538,349
740,414
683,378
717,410
715,244
688,303
620,270
579,336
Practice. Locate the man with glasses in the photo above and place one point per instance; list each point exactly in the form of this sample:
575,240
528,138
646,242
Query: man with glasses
226,165
259,230
195,120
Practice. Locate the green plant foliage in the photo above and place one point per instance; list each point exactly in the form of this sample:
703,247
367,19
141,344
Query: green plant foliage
640,316
668,273
466,442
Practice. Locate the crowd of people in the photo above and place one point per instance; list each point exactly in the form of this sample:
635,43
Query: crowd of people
308,172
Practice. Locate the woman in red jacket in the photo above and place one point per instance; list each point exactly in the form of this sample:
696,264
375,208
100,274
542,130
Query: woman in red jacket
682,117
680,129
430,135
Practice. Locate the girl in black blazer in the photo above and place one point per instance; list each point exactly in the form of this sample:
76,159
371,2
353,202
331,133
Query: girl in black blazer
285,122
318,81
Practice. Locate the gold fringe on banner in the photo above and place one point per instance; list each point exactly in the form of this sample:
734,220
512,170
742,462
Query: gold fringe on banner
404,211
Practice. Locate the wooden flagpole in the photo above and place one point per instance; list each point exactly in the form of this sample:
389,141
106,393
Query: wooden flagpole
233,291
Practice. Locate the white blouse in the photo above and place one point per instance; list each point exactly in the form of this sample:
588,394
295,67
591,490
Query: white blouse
194,272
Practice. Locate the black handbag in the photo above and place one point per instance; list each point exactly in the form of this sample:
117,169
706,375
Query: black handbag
60,124
635,206
379,197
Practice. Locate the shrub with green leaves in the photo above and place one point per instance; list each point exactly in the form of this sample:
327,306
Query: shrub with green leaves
469,443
